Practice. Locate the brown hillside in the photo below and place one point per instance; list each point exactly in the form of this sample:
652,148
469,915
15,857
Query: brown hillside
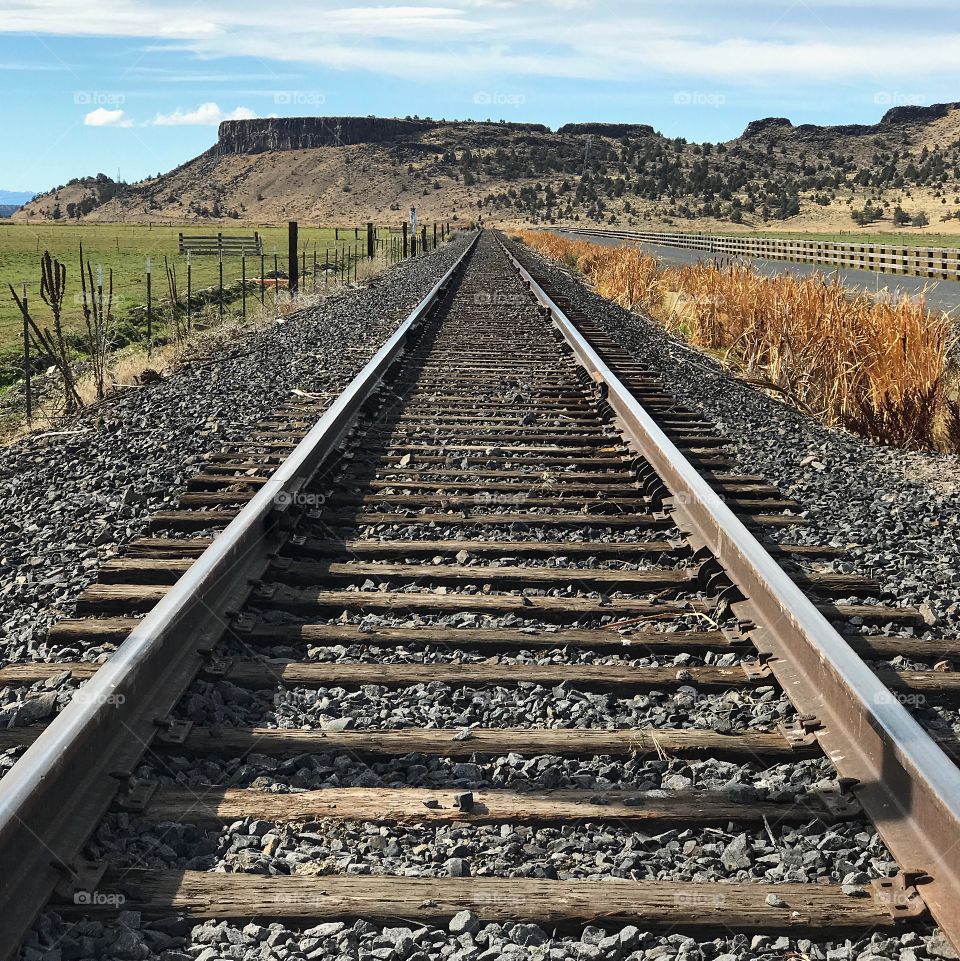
351,169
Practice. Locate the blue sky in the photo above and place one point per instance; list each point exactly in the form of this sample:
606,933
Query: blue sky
138,87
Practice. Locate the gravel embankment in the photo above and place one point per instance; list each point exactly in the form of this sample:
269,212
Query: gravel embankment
73,498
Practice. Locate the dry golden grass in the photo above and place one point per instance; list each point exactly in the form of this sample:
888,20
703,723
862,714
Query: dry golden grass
878,368
126,368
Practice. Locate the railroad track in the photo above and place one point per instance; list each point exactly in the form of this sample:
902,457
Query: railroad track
502,503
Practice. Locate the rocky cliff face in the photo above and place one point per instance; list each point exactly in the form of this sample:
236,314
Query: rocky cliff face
615,131
915,114
304,133
896,117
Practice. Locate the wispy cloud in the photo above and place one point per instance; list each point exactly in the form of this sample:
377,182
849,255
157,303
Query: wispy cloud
740,41
33,67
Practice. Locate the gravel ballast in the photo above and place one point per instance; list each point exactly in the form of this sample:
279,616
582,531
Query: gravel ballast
897,513
466,938
70,499
848,853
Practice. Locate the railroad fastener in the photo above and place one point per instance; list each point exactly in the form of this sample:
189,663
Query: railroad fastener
242,623
136,795
729,596
899,895
79,879
802,731
713,576
736,637
758,669
172,731
464,801
839,799
215,666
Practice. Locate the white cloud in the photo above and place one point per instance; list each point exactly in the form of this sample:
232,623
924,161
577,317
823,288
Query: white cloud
206,115
101,117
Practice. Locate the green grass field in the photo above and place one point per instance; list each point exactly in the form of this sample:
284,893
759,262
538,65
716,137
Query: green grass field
124,249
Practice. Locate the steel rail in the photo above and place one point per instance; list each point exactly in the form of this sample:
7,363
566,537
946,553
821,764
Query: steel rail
54,796
907,785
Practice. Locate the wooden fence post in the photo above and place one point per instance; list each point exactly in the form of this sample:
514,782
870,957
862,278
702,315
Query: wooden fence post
293,257
27,372
149,304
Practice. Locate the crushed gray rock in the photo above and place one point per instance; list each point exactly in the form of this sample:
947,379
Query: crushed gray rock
73,500
56,937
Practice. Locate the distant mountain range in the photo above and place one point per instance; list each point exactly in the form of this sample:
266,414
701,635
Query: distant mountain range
16,197
12,200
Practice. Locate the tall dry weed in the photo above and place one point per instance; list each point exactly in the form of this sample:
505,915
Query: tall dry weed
879,368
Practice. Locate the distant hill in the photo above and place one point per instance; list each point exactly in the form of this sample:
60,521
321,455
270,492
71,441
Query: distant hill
16,197
350,169
12,200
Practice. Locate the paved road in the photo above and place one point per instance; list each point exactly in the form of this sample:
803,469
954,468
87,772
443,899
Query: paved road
941,294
